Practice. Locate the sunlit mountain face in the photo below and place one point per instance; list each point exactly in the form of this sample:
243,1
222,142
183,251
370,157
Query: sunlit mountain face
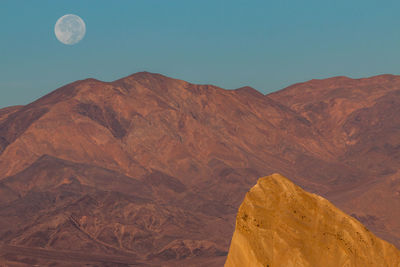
280,224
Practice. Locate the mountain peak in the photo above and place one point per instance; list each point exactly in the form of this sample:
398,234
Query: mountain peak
249,91
145,75
345,80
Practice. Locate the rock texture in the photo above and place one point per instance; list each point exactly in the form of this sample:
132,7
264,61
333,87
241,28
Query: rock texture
359,122
280,224
136,166
154,168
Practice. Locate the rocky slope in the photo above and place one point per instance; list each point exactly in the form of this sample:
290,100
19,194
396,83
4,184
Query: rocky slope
358,119
137,165
279,224
155,168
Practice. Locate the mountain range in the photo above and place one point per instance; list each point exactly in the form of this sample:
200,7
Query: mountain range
151,170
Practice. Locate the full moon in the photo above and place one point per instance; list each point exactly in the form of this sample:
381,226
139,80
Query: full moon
70,29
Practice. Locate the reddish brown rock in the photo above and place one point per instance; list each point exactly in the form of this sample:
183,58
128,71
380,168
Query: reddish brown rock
145,163
359,121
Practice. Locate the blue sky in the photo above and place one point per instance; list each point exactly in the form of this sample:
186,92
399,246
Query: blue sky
265,44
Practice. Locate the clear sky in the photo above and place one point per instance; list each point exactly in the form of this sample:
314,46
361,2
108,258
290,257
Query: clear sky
230,43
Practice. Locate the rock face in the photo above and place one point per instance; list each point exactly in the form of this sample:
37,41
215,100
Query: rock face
155,168
280,224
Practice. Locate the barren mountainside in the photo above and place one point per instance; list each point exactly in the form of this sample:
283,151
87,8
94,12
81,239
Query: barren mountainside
358,119
279,224
154,168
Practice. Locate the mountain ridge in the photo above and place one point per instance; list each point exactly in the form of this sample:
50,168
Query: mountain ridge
195,148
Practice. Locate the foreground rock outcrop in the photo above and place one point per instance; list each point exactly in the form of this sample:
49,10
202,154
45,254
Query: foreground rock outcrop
280,224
